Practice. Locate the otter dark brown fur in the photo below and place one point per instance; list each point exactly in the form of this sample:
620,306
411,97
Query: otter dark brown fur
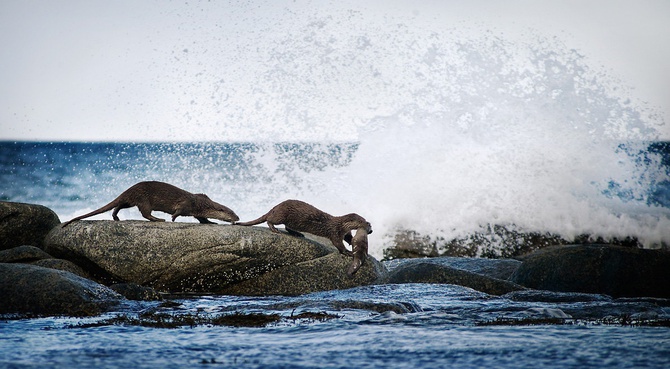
298,216
160,196
359,247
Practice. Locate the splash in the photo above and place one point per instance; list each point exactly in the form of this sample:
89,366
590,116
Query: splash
458,133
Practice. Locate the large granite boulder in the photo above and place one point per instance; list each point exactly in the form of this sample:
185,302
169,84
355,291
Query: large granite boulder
203,258
29,289
600,269
24,224
429,271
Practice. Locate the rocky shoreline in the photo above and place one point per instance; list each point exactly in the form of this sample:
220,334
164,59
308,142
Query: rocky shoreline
91,267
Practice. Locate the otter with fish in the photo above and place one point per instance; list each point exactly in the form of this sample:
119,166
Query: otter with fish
359,247
159,196
298,216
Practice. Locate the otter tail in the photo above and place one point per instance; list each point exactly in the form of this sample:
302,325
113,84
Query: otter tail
260,220
103,209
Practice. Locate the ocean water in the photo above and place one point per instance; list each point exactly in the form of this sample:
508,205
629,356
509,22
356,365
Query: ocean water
394,326
436,131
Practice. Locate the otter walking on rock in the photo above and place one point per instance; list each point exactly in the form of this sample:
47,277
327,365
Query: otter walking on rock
160,196
298,216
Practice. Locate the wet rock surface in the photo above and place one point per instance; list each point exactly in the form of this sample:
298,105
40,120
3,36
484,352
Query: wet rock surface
427,271
494,268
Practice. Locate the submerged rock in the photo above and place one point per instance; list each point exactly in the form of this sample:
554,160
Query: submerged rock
555,297
494,268
29,289
600,269
431,272
204,258
24,224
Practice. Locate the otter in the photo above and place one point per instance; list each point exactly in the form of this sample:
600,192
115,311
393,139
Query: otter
160,196
359,247
298,216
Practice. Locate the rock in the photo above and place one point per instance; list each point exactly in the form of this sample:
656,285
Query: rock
23,254
29,289
24,224
136,292
426,271
195,258
36,256
322,274
599,269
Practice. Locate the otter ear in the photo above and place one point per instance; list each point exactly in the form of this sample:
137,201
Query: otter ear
202,195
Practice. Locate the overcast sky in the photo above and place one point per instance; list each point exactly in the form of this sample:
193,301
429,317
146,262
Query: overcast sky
134,70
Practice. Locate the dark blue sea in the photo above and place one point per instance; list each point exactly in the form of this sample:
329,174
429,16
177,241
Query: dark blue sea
443,326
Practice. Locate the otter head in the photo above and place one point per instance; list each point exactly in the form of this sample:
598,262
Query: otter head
369,227
210,209
355,221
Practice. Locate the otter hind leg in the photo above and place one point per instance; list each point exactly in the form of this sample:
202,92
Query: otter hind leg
115,213
272,228
294,233
146,212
